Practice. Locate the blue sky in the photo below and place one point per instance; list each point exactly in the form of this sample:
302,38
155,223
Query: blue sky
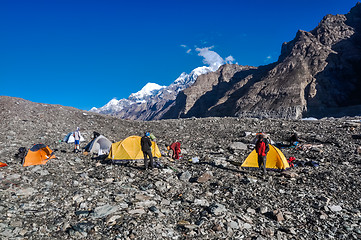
84,53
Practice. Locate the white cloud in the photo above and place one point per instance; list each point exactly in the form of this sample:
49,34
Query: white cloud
268,59
212,58
229,59
185,46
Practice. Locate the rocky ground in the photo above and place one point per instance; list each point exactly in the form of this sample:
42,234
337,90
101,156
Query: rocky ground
78,197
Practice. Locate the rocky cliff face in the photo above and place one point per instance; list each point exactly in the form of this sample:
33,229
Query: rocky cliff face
317,74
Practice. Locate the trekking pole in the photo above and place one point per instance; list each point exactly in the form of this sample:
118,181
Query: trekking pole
175,170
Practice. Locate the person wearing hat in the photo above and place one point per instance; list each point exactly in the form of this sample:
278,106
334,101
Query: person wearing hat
77,136
146,145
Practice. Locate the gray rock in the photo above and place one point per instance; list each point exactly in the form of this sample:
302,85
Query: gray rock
201,202
123,205
220,161
142,197
278,215
233,225
252,211
7,233
238,146
217,209
262,209
185,176
13,176
112,220
137,211
146,203
16,224
25,191
82,214
335,208
154,209
205,177
83,228
247,226
161,186
104,211
36,168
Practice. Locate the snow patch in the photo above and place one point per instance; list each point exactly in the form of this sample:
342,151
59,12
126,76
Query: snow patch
148,90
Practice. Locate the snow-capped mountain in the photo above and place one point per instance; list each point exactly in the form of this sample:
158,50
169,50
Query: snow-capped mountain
114,105
152,99
148,90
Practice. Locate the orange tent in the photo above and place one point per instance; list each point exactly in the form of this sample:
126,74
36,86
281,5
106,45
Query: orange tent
38,154
3,164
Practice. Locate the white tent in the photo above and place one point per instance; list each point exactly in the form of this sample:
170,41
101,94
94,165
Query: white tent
69,138
101,146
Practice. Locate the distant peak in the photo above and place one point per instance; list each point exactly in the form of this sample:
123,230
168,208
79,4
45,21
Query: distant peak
150,87
147,90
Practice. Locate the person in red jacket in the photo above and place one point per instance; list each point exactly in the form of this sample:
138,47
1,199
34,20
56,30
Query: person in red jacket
262,149
175,147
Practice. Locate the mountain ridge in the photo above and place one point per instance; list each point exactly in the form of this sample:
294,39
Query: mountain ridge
150,104
316,75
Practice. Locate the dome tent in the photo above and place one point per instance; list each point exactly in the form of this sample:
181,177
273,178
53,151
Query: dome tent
38,154
275,159
130,149
99,145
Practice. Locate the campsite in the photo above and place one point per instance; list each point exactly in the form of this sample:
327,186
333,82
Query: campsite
77,196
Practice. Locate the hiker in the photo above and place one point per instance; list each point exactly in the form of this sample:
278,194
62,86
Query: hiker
175,147
77,137
262,148
146,145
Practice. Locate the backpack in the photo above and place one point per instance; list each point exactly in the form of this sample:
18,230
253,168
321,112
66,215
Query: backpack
21,153
290,161
267,145
152,137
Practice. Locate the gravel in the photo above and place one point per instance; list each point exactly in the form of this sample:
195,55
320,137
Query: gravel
78,196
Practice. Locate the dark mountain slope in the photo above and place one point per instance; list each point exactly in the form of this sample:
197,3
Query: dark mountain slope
317,74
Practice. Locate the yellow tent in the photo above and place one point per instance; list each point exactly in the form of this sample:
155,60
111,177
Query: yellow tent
275,159
130,149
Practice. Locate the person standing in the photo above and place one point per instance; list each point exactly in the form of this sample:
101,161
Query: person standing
146,145
77,137
262,148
